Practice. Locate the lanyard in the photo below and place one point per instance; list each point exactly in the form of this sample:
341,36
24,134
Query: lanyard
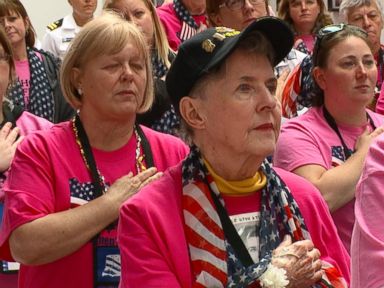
332,123
230,232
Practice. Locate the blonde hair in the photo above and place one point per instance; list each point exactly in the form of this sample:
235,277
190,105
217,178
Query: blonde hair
160,38
106,35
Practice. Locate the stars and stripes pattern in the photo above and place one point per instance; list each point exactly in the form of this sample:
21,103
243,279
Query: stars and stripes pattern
214,262
40,100
81,193
338,157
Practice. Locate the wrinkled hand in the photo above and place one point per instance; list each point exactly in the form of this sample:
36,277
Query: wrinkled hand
128,185
365,139
8,145
301,261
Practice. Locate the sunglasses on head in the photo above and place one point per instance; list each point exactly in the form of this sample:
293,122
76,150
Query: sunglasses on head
327,32
239,4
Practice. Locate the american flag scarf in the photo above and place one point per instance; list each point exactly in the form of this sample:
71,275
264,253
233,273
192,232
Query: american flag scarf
214,263
189,26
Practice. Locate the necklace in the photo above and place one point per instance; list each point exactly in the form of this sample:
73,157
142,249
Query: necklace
89,160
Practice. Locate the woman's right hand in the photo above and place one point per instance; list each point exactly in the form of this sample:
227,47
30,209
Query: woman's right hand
300,260
128,185
365,139
8,145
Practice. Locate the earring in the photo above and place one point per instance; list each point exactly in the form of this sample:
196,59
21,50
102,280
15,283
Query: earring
80,91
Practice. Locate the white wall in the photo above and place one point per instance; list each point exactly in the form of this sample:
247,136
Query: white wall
44,12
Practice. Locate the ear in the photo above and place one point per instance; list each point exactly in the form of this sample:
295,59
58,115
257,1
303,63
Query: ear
318,76
216,20
27,23
76,78
190,110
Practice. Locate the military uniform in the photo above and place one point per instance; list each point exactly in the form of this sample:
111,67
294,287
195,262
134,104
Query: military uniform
59,34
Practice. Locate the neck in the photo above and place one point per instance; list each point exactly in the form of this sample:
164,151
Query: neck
80,21
20,52
231,167
304,29
352,117
107,135
376,48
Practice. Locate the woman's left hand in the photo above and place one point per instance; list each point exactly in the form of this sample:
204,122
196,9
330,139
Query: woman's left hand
301,261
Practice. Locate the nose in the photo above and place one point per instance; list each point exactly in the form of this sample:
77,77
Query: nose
366,21
126,72
267,100
361,71
303,5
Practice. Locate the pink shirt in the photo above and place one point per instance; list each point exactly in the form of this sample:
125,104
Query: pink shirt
47,169
308,140
152,222
24,76
176,30
367,248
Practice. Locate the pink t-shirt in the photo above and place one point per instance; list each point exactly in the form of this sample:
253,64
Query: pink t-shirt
309,140
162,255
47,170
309,41
176,30
367,248
24,76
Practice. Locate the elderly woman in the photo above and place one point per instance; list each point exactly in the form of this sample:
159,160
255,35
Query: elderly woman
222,83
161,117
328,144
37,88
182,19
367,248
66,185
305,17
14,124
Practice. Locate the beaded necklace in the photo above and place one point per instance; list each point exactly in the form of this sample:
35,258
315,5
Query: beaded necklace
89,160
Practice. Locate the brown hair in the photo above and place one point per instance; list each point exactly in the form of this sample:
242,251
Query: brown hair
9,6
323,50
8,50
323,19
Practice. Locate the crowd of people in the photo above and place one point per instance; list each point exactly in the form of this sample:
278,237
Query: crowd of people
192,143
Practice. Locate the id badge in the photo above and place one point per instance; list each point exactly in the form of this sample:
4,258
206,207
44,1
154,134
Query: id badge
107,267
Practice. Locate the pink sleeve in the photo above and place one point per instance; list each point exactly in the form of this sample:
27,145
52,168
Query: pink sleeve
367,248
23,204
170,25
380,102
146,266
297,146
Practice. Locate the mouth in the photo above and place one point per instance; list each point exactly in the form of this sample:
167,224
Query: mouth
363,87
265,127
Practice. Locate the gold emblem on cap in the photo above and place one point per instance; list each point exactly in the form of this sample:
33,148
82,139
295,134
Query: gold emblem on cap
219,36
208,45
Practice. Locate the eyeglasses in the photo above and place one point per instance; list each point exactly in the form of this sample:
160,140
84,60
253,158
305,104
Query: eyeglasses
327,32
239,4
4,58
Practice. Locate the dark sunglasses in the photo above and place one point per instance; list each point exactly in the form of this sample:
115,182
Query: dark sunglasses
327,32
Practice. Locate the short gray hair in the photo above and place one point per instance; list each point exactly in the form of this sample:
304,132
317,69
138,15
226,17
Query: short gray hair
347,5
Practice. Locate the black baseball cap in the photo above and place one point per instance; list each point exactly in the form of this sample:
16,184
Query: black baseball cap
199,54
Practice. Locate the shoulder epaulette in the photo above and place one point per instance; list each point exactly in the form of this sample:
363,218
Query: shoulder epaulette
55,24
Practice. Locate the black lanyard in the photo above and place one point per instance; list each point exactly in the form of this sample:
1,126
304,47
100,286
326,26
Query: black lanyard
332,123
230,232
